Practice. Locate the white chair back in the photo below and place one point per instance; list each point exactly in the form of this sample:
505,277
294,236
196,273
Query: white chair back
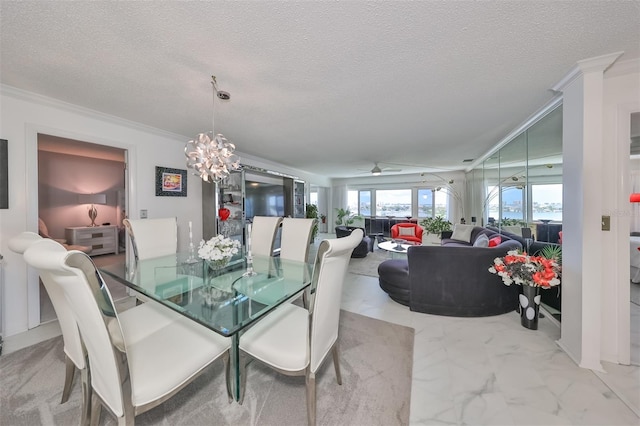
70,334
152,237
263,234
296,238
328,278
93,308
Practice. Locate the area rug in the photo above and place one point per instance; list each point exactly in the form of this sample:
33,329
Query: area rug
368,265
375,356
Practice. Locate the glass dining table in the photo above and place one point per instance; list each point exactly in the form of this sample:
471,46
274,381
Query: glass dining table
226,300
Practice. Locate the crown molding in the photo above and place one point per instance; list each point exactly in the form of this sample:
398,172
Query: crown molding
630,66
24,95
585,66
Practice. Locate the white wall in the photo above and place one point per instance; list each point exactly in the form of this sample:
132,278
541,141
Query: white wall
595,300
23,115
621,98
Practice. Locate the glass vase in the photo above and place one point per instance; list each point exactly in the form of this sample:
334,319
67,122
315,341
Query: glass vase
214,268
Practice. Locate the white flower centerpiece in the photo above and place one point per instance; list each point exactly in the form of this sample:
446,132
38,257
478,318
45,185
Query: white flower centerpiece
216,253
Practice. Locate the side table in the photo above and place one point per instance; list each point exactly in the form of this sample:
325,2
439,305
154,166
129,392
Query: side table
101,239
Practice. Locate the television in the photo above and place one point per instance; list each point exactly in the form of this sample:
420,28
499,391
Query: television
263,199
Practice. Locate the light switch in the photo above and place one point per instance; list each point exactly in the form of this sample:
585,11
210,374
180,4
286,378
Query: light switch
143,214
606,223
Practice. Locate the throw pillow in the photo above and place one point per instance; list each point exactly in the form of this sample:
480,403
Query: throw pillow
495,241
407,231
462,233
481,241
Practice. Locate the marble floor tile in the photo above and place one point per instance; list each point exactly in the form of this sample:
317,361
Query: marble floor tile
492,371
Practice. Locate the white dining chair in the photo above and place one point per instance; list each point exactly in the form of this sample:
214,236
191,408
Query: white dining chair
138,359
138,321
152,237
74,354
295,238
296,341
263,234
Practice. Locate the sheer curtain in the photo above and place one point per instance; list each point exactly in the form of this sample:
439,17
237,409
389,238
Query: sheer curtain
339,201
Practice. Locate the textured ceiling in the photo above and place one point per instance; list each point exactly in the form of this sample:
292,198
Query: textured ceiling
326,87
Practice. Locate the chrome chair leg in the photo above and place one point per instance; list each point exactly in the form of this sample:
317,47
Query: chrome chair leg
85,380
336,362
243,376
96,407
70,369
227,376
310,381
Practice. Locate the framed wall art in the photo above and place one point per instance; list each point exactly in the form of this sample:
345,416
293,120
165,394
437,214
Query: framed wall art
171,182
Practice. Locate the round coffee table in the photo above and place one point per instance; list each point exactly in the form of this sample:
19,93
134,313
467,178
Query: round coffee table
396,249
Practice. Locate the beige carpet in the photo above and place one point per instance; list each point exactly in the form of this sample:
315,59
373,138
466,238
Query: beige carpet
376,360
368,265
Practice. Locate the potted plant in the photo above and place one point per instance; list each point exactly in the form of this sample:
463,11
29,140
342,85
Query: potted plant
511,225
312,213
345,217
434,227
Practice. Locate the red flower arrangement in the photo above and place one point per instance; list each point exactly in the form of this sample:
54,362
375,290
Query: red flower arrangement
520,268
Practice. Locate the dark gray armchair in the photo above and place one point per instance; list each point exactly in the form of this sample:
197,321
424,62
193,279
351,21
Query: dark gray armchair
362,249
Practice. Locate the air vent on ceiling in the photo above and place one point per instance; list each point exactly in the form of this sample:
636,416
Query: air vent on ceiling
468,160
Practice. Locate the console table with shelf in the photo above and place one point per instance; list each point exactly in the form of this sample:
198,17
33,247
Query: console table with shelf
101,239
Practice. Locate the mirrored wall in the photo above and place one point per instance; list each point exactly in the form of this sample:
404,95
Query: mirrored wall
520,185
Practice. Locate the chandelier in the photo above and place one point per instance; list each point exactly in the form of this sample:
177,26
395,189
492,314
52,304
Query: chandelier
210,155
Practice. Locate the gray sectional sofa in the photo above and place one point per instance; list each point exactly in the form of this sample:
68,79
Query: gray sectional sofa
452,279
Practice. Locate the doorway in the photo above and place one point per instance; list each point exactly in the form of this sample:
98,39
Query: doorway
73,177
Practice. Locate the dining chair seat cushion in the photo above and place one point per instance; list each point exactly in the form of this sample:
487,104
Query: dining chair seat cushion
141,320
164,360
281,339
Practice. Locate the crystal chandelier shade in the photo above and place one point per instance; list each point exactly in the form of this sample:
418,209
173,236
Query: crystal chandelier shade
210,155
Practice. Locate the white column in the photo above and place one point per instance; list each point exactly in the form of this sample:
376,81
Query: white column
582,140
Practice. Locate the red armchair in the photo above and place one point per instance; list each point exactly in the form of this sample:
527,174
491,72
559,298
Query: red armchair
407,231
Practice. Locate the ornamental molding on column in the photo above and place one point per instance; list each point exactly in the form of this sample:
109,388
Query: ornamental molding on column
586,66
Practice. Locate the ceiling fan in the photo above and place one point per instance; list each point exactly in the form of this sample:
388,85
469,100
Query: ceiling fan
377,170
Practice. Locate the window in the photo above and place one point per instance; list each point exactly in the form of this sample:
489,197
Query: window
546,202
442,204
513,203
425,203
492,204
393,202
352,201
313,197
365,203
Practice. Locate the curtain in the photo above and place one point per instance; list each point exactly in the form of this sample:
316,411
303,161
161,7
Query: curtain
339,201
